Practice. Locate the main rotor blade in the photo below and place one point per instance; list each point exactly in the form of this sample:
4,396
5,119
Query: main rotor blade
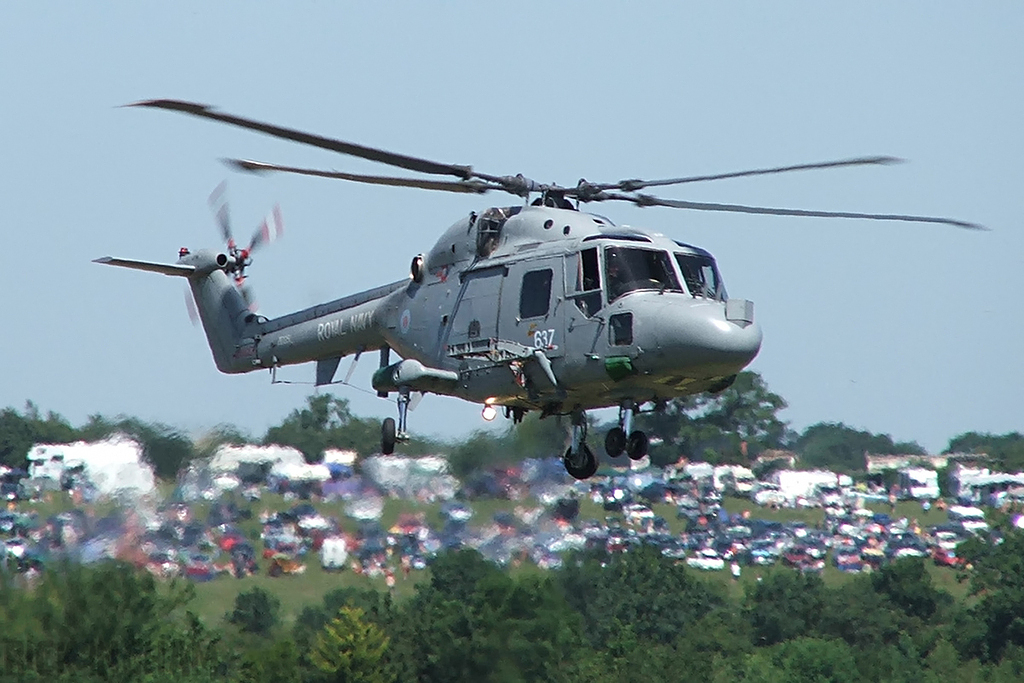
467,186
352,149
647,200
634,185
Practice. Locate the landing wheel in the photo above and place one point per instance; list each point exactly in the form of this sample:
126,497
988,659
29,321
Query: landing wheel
583,465
615,442
636,445
387,436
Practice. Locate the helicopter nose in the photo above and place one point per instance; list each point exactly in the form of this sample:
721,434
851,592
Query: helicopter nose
725,342
702,337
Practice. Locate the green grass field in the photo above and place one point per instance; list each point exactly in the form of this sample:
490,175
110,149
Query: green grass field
944,578
811,516
216,598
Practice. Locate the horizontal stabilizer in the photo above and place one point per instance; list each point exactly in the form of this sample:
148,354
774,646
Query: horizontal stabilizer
325,369
165,268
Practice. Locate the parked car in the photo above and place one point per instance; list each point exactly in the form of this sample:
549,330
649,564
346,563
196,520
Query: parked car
946,558
707,560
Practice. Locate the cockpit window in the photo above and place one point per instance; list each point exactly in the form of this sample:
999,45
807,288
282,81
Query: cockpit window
701,276
628,269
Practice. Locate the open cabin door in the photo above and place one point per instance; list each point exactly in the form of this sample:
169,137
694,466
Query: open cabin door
476,314
509,324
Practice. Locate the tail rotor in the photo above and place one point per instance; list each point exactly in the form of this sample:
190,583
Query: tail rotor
271,229
190,306
219,205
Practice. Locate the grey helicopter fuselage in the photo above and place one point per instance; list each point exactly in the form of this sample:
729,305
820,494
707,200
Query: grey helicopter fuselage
532,308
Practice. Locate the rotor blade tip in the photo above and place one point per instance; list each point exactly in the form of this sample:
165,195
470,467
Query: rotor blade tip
173,105
245,165
146,103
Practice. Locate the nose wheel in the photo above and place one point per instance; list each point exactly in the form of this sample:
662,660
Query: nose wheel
615,442
580,462
624,438
636,445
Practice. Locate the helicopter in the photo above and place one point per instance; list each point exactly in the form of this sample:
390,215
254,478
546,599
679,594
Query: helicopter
539,306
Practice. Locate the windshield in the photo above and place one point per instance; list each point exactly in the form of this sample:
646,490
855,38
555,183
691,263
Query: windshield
701,276
627,269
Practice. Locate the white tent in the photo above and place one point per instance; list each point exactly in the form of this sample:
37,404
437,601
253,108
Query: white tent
340,457
228,457
406,477
795,484
113,466
300,471
699,470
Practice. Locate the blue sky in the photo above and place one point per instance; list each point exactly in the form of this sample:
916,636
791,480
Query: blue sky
911,330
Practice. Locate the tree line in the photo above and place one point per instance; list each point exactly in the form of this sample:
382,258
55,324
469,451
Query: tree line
636,616
730,427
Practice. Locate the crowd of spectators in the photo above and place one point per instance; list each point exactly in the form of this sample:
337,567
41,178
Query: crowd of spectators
254,519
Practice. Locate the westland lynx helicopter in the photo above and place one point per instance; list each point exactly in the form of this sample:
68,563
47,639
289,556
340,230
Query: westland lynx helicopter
535,307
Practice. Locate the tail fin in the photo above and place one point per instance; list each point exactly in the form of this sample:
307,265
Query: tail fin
222,309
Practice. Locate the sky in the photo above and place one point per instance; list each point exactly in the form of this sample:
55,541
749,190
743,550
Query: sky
910,330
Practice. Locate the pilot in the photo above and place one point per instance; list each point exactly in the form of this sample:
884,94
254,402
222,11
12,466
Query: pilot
617,282
488,230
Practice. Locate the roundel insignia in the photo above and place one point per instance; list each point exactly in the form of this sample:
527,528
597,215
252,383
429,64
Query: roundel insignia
405,321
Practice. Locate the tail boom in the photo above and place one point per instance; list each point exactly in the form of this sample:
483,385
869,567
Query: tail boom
242,342
338,328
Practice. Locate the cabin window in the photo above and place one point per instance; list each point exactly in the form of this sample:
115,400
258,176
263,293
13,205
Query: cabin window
620,329
701,276
587,290
535,296
628,269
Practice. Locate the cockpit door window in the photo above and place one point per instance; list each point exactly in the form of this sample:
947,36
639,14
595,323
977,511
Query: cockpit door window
586,292
628,269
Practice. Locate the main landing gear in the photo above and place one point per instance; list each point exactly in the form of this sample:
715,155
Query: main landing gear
390,433
624,438
580,462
